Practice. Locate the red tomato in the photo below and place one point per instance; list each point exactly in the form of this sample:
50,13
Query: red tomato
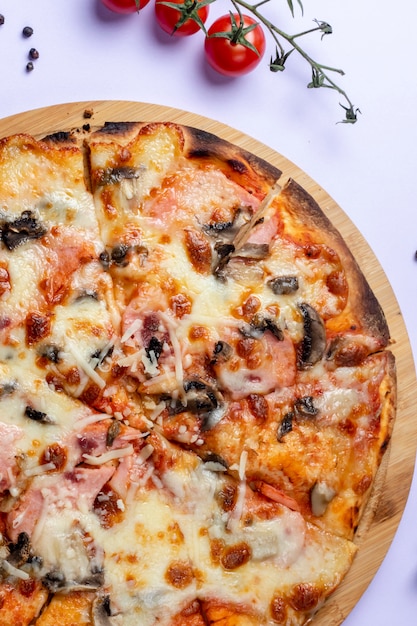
188,19
124,6
228,54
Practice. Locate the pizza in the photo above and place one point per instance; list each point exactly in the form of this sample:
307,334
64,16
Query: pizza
196,385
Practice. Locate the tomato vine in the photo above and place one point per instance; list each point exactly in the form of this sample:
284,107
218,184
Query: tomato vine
320,74
234,46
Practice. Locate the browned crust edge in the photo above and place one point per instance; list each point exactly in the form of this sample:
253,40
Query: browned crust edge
256,173
202,144
362,299
388,392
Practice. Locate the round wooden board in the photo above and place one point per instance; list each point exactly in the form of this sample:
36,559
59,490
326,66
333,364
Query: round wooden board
394,479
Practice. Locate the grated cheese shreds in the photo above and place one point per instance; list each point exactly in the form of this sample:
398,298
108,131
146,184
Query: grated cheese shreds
14,571
91,419
179,370
237,511
144,454
242,464
37,470
131,330
86,367
108,456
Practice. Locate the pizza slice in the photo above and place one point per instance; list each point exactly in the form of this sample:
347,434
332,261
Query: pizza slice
250,316
133,526
58,314
162,187
315,447
233,537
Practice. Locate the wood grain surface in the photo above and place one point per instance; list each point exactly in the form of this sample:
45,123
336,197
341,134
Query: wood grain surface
394,479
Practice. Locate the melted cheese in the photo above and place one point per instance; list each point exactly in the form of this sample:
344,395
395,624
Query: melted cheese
159,558
25,266
162,526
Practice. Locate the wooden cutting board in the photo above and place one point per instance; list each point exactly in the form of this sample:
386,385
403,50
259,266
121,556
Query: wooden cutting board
394,479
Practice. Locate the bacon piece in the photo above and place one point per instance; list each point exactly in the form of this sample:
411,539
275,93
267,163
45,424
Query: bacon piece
274,494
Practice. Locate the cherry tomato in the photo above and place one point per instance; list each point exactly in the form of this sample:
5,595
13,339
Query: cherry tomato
188,19
124,6
241,48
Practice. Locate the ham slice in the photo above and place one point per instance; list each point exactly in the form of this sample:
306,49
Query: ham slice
9,434
76,489
271,364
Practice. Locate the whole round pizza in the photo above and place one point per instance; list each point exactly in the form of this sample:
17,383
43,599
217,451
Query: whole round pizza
196,389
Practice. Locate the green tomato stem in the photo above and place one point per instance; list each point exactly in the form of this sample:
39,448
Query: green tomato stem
320,72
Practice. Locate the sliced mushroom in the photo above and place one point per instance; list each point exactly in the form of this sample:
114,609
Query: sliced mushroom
112,432
7,388
214,228
224,251
20,551
215,462
222,352
114,175
285,425
55,582
87,294
200,396
104,259
242,271
259,325
227,231
210,420
38,416
238,263
313,345
50,352
119,254
21,230
283,285
304,407
255,251
101,611
98,356
321,496
154,348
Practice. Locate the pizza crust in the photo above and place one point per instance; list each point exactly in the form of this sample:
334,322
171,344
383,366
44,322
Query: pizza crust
363,308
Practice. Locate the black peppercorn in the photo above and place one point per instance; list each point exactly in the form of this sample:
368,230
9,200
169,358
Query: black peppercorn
1,20
29,66
33,53
27,31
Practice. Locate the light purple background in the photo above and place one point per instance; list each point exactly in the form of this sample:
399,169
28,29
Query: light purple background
370,169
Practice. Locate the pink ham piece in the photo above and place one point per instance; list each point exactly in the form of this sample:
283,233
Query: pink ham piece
9,434
76,489
274,368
